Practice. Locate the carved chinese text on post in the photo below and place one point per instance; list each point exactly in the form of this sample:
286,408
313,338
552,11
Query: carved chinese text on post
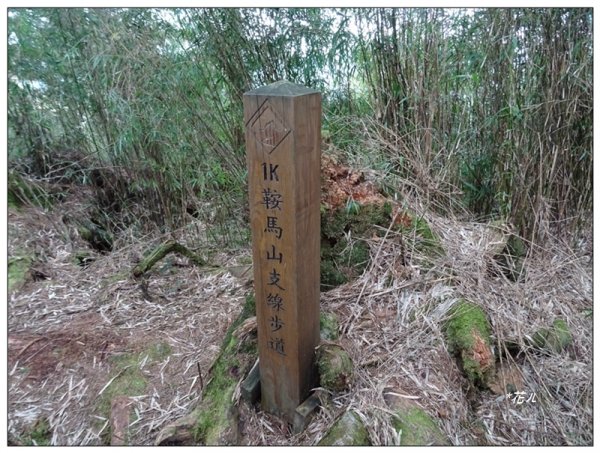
268,129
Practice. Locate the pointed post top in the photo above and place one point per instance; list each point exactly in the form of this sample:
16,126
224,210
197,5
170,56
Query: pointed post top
281,88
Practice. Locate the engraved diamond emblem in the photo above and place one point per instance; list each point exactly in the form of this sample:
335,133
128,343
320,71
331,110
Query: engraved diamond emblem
268,129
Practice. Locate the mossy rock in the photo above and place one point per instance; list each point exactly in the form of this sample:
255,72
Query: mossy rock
216,417
516,246
413,424
348,430
426,241
98,238
416,427
18,271
512,257
331,276
467,333
329,326
357,218
335,367
342,261
156,254
215,420
556,338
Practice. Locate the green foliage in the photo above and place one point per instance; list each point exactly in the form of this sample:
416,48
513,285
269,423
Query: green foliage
355,218
95,235
495,102
477,177
516,246
22,191
471,100
419,233
511,258
331,276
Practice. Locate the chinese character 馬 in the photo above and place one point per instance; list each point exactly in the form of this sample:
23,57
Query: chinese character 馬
272,227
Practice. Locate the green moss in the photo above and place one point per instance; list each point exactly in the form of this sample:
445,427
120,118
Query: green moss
214,415
464,318
512,257
556,338
356,256
343,263
82,258
331,276
340,260
129,380
13,201
467,324
98,238
250,305
335,367
18,268
245,260
471,367
329,326
159,351
426,241
516,246
213,419
347,430
359,219
416,427
39,434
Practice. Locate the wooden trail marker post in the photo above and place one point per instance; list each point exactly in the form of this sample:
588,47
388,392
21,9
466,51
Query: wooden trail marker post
283,145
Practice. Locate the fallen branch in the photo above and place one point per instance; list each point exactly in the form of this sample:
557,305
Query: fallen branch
163,250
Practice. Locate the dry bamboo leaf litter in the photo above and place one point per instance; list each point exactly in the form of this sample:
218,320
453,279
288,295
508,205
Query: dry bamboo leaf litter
394,333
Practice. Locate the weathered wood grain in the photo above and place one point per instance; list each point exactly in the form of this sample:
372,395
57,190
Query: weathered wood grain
283,136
